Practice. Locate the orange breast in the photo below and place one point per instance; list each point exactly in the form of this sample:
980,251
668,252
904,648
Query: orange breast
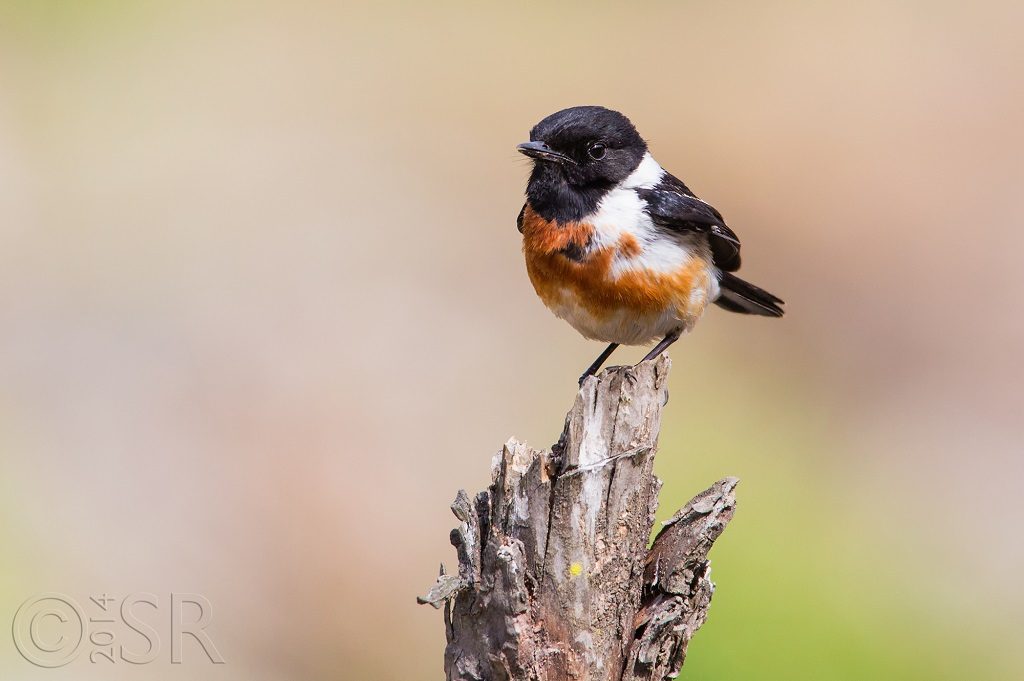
590,280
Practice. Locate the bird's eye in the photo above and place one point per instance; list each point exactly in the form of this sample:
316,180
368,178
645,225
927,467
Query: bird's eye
596,151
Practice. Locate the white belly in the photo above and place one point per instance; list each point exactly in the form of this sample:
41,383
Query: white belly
626,326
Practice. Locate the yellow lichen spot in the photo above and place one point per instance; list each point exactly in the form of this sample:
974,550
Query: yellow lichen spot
575,569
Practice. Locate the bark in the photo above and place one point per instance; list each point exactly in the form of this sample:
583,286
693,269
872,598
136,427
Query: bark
555,578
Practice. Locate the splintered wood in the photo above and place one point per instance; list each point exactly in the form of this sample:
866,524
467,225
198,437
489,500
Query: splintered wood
555,577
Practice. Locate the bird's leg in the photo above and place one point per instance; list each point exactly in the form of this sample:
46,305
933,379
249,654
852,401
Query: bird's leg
592,369
668,340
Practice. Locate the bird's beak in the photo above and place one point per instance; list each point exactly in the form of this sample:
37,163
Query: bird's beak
542,152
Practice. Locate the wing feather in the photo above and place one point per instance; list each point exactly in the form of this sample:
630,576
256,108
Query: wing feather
673,206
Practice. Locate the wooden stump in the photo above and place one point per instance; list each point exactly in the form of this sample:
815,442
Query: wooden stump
555,579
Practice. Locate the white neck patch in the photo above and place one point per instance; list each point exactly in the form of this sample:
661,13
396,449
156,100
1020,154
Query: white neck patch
646,175
621,213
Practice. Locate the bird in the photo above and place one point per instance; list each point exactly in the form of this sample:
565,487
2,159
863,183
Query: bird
619,247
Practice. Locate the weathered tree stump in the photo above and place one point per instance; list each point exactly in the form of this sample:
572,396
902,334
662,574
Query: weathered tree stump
555,579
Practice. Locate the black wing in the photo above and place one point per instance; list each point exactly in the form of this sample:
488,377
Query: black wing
673,206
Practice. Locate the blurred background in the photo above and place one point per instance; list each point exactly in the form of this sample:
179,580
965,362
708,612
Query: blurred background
264,311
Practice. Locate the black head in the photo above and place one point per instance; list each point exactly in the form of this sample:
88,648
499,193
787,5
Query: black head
579,154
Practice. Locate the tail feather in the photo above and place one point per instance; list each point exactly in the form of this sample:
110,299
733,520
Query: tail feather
743,297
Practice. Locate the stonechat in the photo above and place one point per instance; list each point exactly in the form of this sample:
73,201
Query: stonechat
617,246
